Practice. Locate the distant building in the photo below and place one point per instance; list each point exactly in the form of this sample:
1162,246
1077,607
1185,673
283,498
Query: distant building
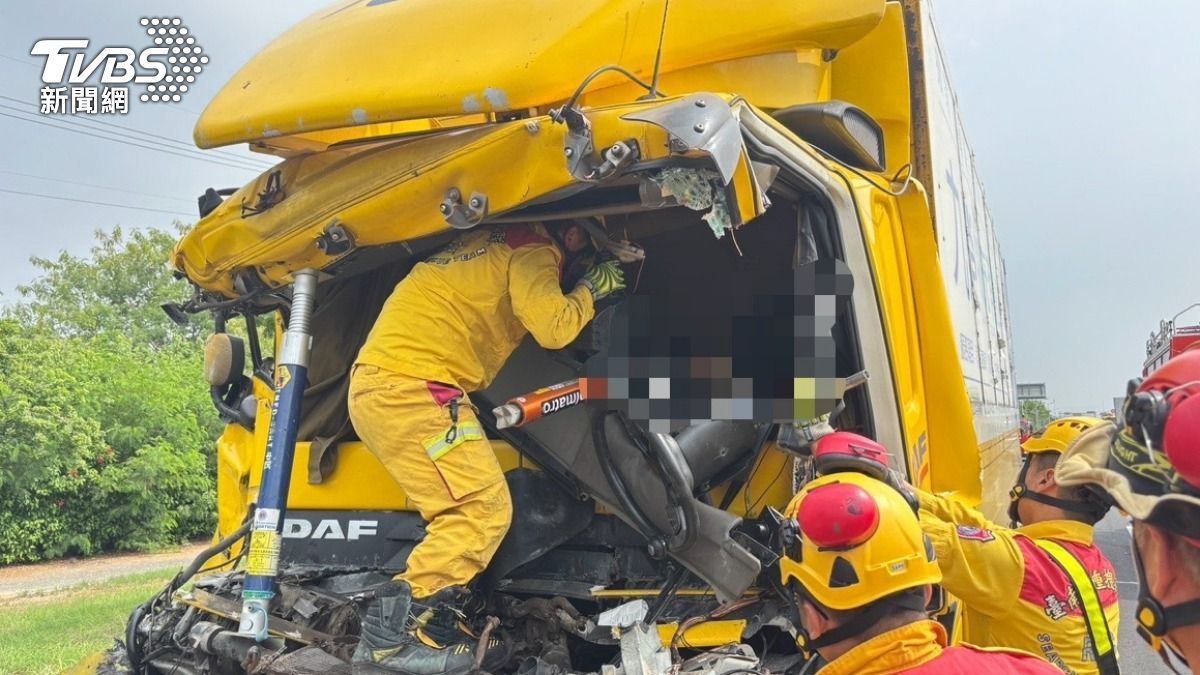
1032,391
1035,391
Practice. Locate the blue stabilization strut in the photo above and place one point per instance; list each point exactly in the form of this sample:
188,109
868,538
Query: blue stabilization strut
291,378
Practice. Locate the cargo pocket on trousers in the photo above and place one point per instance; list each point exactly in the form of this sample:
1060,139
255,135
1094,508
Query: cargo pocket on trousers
366,379
456,455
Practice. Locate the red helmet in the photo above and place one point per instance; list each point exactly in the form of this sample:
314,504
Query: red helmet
1150,465
848,451
1150,468
1158,447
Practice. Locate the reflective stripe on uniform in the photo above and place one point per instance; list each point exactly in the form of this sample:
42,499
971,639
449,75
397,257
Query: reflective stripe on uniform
1089,600
456,435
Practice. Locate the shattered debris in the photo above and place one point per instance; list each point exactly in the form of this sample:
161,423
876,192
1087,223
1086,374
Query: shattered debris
696,189
195,632
624,616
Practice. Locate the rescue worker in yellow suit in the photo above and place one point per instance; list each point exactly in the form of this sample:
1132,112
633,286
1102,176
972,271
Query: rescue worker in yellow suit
445,331
1044,587
862,572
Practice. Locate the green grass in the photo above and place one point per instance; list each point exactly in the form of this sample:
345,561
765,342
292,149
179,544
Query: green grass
46,634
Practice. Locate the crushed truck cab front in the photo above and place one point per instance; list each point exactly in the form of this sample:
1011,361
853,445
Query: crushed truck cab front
784,250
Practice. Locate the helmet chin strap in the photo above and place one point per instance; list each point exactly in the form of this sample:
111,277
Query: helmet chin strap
1155,620
1021,491
855,626
860,622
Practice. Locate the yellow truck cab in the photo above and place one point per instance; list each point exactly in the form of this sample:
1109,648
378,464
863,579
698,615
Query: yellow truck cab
749,153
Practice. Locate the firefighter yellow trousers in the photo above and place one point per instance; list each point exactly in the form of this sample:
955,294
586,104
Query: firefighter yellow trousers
448,472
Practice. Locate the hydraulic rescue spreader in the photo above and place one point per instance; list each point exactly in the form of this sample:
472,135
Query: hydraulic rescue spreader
291,377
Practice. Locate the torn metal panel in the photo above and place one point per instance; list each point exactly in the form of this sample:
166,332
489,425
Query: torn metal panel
700,122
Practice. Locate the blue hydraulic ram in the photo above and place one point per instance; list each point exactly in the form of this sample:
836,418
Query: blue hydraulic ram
291,376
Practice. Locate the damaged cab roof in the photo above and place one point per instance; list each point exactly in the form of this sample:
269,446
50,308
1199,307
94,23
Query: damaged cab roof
371,68
318,210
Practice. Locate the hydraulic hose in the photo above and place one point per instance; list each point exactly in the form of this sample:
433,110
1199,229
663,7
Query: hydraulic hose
194,567
133,644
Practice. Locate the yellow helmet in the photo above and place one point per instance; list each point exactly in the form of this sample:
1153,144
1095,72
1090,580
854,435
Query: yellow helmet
1057,437
857,540
1059,434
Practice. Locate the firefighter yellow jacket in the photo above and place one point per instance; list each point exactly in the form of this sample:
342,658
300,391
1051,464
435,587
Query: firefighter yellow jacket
921,648
458,315
1014,594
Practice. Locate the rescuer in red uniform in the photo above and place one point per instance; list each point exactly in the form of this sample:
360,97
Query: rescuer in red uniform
1044,587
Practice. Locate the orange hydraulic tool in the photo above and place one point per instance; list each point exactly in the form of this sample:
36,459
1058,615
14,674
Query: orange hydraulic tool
521,410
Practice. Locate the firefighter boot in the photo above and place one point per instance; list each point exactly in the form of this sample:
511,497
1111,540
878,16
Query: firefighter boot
422,637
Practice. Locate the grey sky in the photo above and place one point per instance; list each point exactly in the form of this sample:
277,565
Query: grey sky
1081,115
230,31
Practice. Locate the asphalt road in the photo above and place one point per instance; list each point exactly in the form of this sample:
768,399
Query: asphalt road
41,578
1136,657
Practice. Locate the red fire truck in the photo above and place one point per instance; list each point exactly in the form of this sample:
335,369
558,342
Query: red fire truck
1170,340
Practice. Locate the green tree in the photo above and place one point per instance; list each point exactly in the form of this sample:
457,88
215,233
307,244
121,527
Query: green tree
106,427
1036,412
42,433
119,289
45,447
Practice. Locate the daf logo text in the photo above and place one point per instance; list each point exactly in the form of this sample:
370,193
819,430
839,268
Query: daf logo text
302,528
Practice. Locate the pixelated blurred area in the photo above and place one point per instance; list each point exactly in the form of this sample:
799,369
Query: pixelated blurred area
741,329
